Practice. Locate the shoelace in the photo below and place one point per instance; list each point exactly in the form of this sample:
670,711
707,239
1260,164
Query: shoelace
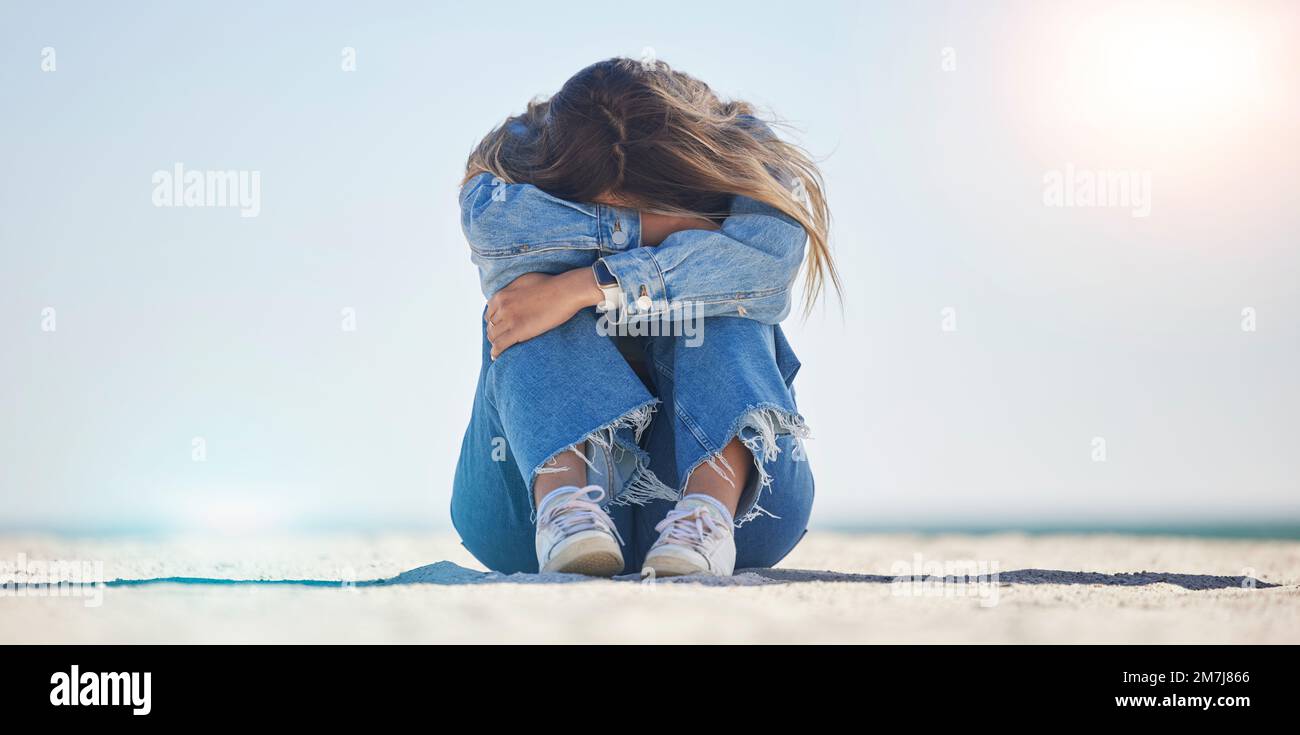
688,526
581,511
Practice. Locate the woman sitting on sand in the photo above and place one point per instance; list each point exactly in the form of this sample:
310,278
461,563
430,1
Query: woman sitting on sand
633,197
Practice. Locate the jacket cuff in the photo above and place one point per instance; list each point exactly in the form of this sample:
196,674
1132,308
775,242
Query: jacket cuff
617,228
641,281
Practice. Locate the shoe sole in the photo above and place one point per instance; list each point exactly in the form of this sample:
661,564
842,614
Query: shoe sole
589,556
671,566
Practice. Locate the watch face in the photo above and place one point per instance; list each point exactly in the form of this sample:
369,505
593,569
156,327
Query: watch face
603,276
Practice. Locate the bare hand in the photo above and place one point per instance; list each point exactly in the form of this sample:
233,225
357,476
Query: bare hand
536,303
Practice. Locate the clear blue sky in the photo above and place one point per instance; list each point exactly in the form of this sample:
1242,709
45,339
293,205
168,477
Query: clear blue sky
1071,323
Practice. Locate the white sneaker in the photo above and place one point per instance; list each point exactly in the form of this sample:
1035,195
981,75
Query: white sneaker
575,535
696,536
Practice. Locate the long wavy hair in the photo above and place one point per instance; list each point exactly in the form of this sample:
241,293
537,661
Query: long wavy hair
651,138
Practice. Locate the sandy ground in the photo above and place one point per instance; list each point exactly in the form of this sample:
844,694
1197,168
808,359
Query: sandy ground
1082,589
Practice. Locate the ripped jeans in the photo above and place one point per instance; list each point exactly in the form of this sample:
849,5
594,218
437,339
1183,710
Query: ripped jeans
734,379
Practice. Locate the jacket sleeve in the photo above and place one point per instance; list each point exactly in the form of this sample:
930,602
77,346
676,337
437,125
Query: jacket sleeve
746,269
513,229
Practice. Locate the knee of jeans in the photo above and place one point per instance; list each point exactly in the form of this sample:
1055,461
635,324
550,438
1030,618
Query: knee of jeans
723,333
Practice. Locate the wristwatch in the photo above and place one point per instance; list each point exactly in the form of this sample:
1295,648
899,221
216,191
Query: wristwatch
608,285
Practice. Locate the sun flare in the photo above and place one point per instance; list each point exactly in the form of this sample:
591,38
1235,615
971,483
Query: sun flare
1169,69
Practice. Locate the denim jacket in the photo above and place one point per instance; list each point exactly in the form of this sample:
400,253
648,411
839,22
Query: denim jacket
745,269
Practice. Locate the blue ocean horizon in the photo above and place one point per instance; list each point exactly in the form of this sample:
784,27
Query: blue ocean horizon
1255,530
1284,530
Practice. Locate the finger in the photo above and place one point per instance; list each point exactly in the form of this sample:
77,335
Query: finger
495,330
501,343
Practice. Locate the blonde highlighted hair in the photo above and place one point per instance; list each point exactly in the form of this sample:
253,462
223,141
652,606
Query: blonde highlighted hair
661,141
